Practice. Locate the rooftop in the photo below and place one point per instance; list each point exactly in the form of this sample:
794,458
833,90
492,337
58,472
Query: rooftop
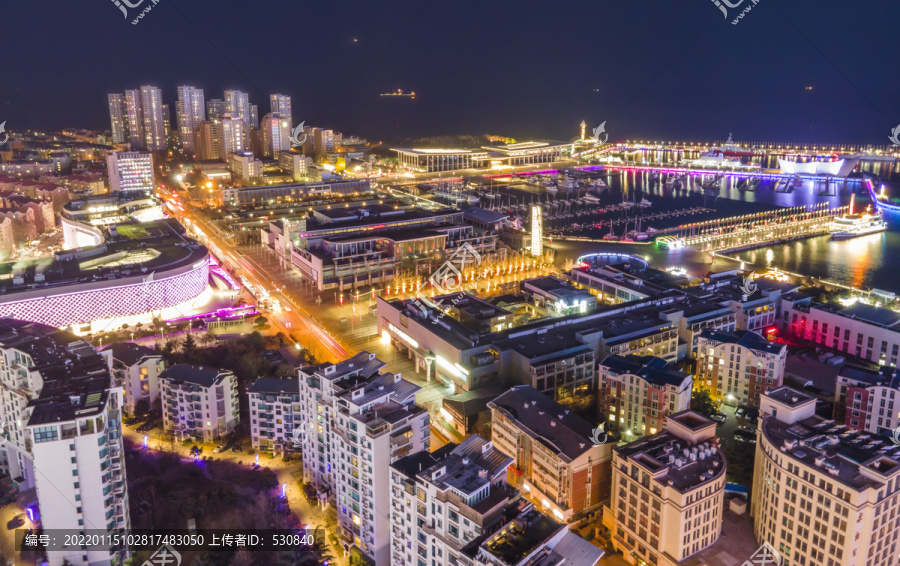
858,460
653,370
521,537
273,385
673,462
546,421
75,376
129,353
466,468
746,338
203,376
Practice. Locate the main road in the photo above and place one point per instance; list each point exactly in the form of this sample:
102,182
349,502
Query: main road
293,318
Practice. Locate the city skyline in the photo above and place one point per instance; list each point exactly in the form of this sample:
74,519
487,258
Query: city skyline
655,89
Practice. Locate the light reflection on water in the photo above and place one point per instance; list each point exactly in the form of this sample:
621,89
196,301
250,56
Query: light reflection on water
866,262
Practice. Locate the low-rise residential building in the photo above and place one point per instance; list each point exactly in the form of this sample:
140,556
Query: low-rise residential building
274,412
668,492
558,463
637,394
199,402
822,492
443,500
739,366
868,401
136,369
859,330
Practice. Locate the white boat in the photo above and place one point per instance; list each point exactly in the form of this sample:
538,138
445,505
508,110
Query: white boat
627,204
714,158
645,203
855,225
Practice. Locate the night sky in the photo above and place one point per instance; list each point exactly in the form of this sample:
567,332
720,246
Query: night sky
664,69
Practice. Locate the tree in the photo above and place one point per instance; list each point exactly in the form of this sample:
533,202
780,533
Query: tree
141,408
189,344
285,370
702,403
242,558
261,321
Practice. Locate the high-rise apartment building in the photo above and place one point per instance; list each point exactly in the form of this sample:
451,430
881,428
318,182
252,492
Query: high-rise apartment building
443,500
65,436
134,119
199,401
207,140
294,164
281,104
130,171
167,121
237,104
231,136
191,111
275,134
668,492
638,393
215,108
557,465
823,493
154,117
739,366
118,118
357,422
324,141
274,412
254,116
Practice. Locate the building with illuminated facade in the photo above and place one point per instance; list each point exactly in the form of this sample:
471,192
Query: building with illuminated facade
281,104
739,366
151,268
275,133
190,113
859,330
64,430
636,394
428,160
556,463
85,222
357,422
276,194
198,402
668,492
131,171
823,493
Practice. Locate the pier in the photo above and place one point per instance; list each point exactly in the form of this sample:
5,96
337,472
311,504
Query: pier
754,230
